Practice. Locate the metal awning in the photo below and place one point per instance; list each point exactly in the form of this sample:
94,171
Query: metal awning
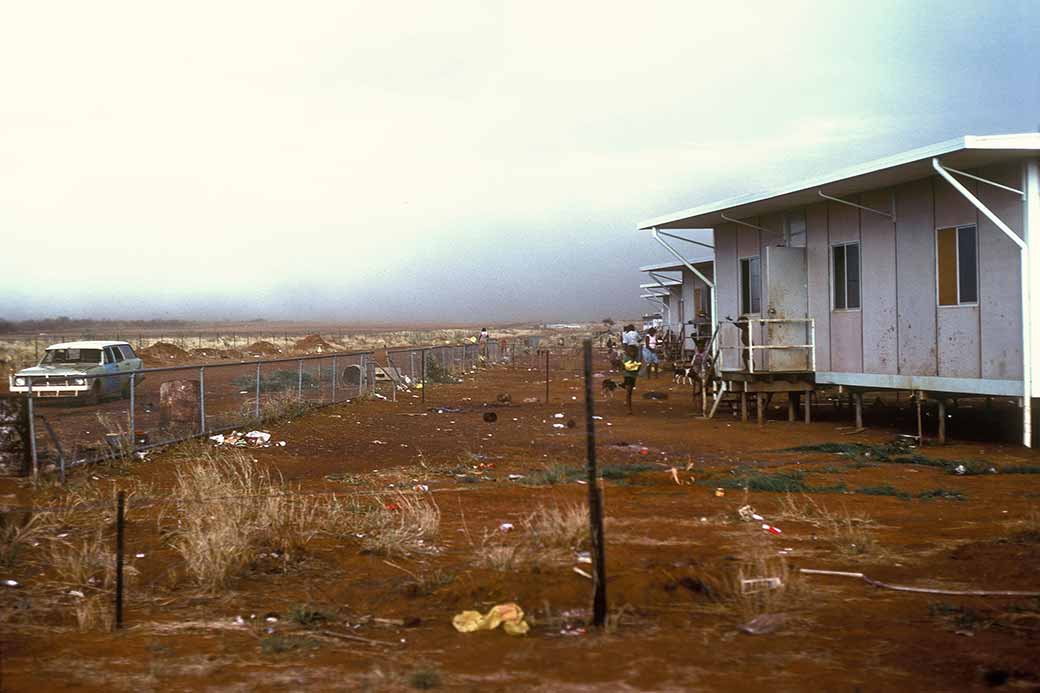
968,152
675,265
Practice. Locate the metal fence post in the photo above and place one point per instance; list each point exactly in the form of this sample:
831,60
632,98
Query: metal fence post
133,418
202,400
423,368
256,404
32,432
299,381
335,376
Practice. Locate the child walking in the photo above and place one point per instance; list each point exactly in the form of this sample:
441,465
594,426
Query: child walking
630,365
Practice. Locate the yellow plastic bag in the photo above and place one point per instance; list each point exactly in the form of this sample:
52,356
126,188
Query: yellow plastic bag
510,616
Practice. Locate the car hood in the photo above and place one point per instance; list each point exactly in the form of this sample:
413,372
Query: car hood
51,370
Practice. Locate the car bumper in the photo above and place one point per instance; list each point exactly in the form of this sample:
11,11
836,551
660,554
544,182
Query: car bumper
43,391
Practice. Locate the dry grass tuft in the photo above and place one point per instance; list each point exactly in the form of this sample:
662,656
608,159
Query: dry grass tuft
87,565
548,536
851,534
229,509
558,527
94,612
399,524
16,536
277,406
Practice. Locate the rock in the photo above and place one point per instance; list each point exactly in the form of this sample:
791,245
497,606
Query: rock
178,402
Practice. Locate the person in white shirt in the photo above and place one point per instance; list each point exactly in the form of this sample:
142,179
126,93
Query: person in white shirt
630,337
650,352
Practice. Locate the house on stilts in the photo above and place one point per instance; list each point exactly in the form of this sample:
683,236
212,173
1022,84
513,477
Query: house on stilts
917,272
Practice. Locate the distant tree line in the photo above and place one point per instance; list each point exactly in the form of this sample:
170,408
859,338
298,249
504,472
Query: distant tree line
66,324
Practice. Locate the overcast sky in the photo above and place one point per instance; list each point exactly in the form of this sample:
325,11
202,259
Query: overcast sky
457,161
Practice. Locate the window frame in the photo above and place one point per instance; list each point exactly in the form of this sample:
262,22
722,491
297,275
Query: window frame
859,275
957,262
740,278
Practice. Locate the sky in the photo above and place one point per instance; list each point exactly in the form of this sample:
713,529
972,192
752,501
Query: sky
454,161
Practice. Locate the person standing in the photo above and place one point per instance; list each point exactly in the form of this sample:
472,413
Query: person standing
630,337
630,367
650,352
482,342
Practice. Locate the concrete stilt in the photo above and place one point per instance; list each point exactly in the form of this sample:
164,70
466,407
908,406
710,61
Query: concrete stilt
920,424
743,407
857,398
808,407
791,406
760,409
942,422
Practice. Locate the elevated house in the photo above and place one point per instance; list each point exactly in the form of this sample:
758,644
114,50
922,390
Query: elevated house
684,289
916,272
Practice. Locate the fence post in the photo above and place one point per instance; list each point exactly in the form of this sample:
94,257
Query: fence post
599,574
256,405
335,376
120,522
32,431
546,376
202,400
133,418
423,368
299,381
36,347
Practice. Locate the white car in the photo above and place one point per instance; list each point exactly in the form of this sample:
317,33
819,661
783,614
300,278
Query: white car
65,370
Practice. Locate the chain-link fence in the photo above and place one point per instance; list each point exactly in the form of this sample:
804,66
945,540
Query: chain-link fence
86,418
123,412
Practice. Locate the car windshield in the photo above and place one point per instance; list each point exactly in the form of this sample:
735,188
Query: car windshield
56,356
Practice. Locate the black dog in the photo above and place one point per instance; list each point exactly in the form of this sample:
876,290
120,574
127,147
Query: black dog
608,388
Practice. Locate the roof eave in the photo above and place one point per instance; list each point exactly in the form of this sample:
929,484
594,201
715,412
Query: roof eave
1021,141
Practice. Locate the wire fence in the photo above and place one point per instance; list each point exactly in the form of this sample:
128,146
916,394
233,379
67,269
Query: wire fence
86,418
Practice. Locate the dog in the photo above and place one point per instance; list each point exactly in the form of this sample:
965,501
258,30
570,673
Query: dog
683,375
608,388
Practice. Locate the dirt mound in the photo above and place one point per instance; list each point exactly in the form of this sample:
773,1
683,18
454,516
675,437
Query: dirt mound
313,343
162,352
262,348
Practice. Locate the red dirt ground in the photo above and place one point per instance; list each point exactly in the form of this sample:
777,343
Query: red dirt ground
663,541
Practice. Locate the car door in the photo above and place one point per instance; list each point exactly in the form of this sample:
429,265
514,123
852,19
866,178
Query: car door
111,385
131,362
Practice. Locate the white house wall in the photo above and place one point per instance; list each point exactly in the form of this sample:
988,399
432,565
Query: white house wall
916,288
900,329
1000,277
878,250
818,262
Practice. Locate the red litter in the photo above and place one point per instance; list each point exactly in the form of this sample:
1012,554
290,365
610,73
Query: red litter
771,529
392,506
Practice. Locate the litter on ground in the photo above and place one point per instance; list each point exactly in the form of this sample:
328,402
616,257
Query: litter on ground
510,616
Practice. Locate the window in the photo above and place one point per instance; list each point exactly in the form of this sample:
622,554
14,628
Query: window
957,265
114,355
846,276
750,285
128,353
794,229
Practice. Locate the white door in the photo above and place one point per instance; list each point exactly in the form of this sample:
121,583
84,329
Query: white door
787,296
